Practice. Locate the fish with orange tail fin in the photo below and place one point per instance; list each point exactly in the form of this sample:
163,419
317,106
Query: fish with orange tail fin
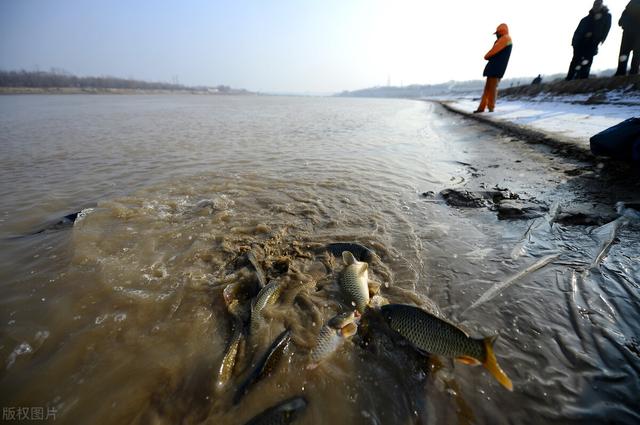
434,335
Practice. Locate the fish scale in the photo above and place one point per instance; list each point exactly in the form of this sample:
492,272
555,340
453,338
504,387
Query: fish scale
327,342
230,357
434,335
353,283
430,333
267,296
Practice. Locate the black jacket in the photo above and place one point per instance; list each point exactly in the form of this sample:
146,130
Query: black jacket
497,64
592,30
630,19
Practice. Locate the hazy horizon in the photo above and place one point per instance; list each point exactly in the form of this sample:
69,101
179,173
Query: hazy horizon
292,46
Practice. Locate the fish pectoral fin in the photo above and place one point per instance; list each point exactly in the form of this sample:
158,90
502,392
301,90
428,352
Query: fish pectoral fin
374,287
468,360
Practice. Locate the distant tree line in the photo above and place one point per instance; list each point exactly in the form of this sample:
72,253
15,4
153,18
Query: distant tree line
507,86
58,78
417,90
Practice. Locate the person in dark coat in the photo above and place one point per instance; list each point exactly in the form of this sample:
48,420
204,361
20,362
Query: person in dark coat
498,58
592,31
630,23
537,81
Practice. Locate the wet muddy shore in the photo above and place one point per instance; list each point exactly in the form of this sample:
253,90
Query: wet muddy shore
122,316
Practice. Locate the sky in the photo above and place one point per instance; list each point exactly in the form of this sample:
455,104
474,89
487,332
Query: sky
293,46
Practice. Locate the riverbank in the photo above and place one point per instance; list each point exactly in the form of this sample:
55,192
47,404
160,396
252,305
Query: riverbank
563,122
78,90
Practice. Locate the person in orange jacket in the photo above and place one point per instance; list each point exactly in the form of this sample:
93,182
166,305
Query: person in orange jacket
498,58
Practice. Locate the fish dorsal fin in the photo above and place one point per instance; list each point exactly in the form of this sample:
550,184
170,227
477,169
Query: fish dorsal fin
348,258
455,325
461,329
364,269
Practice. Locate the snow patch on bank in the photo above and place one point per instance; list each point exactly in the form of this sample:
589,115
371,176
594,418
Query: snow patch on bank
558,117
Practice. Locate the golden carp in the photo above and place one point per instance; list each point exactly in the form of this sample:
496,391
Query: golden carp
267,296
354,281
230,357
331,337
431,334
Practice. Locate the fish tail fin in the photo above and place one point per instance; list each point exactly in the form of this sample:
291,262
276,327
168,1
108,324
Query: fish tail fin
491,363
348,258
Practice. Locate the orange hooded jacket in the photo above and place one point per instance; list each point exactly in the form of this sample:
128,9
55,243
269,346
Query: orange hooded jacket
499,54
501,43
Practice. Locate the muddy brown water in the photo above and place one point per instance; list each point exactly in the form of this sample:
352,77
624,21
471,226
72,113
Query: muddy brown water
120,318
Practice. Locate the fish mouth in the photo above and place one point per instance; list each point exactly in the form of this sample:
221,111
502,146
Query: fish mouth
344,319
349,330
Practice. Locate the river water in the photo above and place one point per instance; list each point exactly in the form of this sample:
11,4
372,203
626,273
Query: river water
120,318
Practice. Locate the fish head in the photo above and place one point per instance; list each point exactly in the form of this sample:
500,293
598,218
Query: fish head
229,293
342,319
348,258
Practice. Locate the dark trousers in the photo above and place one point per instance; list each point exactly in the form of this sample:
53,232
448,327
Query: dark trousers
630,43
580,63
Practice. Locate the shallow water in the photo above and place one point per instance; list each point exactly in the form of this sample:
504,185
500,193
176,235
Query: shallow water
121,318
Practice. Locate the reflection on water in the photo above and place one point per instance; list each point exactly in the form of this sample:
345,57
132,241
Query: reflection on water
122,317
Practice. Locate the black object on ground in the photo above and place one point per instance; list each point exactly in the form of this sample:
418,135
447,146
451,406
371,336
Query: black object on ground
622,141
477,199
510,209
